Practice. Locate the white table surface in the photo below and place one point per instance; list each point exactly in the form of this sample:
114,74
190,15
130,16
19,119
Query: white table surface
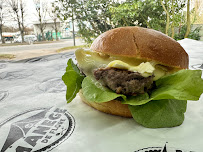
34,115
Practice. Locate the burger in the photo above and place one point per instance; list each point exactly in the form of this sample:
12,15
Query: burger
135,72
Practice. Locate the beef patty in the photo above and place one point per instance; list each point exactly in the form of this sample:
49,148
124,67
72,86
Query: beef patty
124,81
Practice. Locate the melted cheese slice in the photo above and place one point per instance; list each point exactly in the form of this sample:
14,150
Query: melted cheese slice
89,61
145,68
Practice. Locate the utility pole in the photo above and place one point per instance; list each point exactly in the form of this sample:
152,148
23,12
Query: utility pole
73,33
73,28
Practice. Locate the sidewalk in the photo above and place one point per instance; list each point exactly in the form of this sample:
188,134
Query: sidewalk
20,55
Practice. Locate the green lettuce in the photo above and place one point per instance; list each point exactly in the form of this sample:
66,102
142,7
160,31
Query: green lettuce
73,80
160,113
95,92
164,106
182,85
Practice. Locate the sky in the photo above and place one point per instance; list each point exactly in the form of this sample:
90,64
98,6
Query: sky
30,17
31,13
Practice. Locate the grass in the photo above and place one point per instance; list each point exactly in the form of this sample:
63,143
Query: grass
70,48
7,56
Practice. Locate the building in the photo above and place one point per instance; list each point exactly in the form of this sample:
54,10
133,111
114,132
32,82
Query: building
64,29
49,29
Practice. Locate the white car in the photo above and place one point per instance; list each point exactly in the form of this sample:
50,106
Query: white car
27,38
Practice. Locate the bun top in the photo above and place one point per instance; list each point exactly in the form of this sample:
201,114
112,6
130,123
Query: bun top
142,43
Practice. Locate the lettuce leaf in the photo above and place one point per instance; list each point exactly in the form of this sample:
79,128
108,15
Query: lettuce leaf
160,113
182,85
73,80
95,92
164,106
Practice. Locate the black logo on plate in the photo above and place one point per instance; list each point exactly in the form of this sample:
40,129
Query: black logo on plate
36,130
61,67
35,60
2,66
53,85
197,66
165,148
68,55
21,74
3,95
40,59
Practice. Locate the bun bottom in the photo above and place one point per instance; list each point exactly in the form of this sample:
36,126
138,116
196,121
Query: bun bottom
113,107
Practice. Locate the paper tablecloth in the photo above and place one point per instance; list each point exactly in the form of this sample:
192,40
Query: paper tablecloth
34,115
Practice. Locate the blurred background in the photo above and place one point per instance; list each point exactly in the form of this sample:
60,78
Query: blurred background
34,21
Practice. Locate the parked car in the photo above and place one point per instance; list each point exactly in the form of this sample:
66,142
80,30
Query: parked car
8,38
27,38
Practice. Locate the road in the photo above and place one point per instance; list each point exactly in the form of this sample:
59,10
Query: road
45,46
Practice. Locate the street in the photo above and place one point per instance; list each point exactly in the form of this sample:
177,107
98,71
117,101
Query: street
46,46
35,50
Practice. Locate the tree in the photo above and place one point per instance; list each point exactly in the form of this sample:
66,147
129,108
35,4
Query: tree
173,20
166,9
98,16
18,10
2,15
146,13
173,10
92,17
54,17
197,16
41,13
22,5
157,14
66,10
188,19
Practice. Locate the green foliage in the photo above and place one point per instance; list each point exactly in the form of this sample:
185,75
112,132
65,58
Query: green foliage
94,17
192,35
179,16
145,13
195,34
98,16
